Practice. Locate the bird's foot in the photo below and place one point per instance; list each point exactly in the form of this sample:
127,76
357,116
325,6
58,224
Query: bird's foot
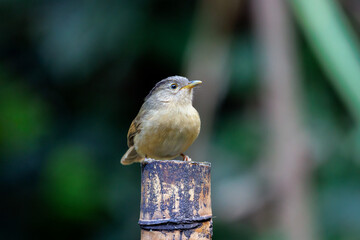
186,158
149,158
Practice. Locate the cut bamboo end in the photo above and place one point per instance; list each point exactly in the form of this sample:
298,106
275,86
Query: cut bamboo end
175,200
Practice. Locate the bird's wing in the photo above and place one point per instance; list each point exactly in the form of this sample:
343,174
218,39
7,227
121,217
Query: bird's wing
133,130
131,156
135,127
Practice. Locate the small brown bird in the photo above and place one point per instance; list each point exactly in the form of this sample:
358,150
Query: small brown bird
167,123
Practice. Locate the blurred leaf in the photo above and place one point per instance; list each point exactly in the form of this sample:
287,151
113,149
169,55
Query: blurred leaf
241,136
273,234
76,37
340,210
355,144
71,182
324,121
233,231
166,42
243,66
24,117
334,43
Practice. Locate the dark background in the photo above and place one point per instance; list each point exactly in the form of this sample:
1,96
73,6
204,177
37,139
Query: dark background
279,109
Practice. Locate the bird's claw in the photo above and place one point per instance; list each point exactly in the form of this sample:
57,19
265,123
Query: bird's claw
186,158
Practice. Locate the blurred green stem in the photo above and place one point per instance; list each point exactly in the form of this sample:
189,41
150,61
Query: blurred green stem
335,45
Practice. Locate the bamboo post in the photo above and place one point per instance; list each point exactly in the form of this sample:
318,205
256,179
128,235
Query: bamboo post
175,200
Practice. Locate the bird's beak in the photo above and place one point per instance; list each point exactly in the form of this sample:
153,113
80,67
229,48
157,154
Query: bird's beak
192,84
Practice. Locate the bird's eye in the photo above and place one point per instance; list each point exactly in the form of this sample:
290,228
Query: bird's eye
173,86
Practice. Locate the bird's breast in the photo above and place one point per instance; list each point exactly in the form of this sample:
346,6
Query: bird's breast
168,132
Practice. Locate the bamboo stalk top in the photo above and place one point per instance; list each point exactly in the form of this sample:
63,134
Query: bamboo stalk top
176,195
149,160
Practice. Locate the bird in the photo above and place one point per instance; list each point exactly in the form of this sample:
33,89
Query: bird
167,123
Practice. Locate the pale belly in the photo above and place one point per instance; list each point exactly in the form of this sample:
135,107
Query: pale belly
166,138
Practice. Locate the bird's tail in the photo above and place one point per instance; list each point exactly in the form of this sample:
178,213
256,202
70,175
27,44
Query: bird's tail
131,156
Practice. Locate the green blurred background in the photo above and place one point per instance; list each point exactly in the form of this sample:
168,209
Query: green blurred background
280,110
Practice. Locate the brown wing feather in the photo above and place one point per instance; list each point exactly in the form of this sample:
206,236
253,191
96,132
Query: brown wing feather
131,155
135,127
133,130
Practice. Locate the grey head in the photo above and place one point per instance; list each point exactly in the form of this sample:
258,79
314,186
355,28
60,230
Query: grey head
175,89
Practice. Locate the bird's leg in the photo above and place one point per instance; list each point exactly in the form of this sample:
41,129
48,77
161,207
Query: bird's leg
186,158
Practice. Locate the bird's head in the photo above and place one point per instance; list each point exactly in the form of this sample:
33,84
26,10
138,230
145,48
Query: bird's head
174,89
